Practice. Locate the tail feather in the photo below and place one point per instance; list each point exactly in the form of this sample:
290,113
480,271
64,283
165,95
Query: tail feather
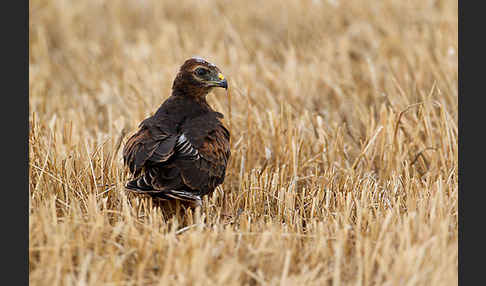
184,196
141,185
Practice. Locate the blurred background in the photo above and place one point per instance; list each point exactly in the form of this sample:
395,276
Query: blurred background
315,55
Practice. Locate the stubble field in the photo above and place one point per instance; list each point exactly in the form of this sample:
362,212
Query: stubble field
343,121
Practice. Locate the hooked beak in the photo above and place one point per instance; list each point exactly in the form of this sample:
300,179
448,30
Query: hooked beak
223,84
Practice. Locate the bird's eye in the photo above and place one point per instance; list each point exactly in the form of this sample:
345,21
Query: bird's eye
201,71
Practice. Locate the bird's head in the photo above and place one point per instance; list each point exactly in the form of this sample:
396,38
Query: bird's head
197,77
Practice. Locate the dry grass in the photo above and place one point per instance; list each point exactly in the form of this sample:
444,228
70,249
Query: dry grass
343,117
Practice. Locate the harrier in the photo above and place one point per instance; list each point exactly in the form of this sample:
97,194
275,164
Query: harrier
181,152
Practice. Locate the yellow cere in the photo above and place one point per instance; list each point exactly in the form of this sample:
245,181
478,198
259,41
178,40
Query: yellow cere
220,76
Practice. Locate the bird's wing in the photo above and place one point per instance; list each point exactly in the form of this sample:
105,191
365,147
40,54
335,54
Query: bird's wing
202,152
150,144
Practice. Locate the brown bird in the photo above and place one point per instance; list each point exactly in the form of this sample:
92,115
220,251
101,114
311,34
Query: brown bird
181,152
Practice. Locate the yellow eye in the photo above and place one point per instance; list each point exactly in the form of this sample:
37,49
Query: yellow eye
220,76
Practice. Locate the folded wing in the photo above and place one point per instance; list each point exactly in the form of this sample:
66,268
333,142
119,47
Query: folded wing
193,161
202,153
149,145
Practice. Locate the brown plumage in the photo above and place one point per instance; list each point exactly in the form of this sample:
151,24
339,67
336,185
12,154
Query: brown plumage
182,150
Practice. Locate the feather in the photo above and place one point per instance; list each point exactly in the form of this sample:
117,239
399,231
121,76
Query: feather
181,152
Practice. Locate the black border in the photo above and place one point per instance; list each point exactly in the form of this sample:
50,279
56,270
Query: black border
15,140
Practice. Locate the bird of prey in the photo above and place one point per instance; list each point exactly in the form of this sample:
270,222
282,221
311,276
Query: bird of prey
181,152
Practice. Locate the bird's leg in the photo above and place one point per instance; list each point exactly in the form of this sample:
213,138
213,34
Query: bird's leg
195,202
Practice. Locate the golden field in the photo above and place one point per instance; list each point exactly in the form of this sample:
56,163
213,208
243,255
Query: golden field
343,117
